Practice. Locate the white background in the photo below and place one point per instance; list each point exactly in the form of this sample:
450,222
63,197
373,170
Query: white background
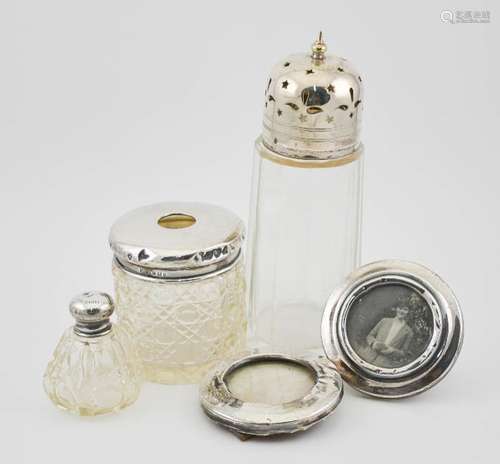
110,105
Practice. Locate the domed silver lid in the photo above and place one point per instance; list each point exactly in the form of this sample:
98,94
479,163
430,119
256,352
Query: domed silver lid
177,240
92,311
313,106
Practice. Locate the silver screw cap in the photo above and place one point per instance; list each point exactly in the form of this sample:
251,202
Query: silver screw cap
92,311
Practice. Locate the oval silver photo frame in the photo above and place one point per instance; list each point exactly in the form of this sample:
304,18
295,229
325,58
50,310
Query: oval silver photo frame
254,418
393,330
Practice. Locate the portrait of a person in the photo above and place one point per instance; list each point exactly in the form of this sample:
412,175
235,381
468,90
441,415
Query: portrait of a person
388,341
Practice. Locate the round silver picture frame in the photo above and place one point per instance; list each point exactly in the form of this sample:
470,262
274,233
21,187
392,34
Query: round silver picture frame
253,418
393,329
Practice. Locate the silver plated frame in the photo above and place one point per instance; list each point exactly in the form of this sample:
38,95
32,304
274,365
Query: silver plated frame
420,374
258,419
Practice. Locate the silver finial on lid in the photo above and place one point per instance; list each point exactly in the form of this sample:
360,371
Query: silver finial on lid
319,48
313,106
92,311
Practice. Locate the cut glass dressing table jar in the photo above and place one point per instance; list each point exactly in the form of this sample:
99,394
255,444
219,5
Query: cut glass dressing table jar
180,289
305,216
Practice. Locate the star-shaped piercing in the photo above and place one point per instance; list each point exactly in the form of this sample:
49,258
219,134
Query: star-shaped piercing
331,88
284,84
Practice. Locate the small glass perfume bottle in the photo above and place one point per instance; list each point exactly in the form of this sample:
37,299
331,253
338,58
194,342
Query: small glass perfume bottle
95,368
305,216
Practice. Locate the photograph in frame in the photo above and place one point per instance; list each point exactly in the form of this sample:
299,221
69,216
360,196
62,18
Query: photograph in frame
389,326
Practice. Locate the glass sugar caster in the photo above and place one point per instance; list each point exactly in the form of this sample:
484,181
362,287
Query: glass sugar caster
180,287
305,214
95,368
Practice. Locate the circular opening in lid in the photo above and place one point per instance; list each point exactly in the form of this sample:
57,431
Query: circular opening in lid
176,221
270,382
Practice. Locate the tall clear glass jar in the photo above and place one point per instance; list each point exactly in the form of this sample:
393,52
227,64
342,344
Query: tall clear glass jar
180,287
305,216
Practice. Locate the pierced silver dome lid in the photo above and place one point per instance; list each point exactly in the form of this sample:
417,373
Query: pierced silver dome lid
313,106
177,240
92,312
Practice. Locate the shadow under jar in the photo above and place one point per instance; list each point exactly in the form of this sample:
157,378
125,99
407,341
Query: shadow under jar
180,288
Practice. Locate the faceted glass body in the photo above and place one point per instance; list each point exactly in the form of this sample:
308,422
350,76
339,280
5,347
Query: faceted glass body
304,240
91,376
183,328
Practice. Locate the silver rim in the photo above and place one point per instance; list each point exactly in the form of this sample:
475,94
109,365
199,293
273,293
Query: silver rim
159,276
262,420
